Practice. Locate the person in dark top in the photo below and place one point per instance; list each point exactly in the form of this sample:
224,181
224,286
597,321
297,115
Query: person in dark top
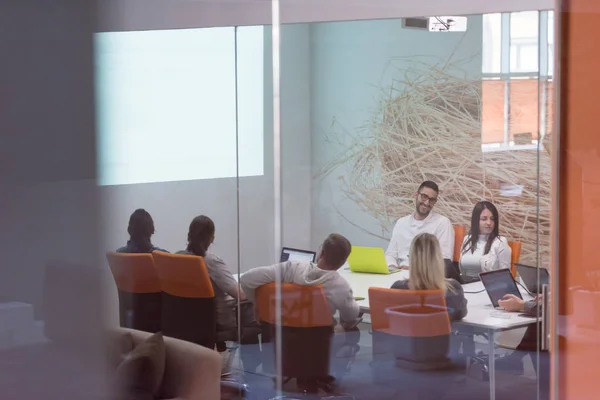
529,345
512,303
427,273
140,229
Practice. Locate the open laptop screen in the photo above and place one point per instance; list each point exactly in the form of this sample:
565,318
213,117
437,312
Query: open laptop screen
289,254
499,283
530,277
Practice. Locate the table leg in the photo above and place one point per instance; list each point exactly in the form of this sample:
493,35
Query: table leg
492,363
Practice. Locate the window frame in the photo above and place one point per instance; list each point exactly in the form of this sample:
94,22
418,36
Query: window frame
505,75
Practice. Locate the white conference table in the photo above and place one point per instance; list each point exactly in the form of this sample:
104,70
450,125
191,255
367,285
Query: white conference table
481,315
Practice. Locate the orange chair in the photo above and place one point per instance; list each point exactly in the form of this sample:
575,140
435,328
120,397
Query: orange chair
139,290
306,332
515,248
412,326
459,235
188,302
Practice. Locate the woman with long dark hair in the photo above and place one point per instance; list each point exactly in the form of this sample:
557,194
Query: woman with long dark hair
201,236
483,248
140,229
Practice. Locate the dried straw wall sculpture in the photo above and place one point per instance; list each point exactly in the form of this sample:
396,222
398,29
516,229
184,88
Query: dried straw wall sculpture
428,126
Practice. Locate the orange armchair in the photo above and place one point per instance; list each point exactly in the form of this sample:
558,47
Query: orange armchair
139,289
306,332
459,235
412,326
515,248
188,298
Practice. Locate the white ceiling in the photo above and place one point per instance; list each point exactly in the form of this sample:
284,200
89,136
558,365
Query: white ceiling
120,15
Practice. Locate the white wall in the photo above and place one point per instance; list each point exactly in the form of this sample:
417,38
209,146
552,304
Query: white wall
350,64
174,204
296,137
327,72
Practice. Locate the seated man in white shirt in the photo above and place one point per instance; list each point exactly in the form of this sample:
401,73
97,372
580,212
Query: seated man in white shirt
334,252
422,220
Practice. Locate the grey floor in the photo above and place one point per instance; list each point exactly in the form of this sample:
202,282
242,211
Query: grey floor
360,382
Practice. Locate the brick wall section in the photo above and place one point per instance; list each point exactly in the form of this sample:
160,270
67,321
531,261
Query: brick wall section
523,106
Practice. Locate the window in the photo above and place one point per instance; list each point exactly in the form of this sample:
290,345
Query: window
524,37
517,66
492,42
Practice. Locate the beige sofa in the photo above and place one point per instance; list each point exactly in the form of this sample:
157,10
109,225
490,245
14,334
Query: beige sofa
192,372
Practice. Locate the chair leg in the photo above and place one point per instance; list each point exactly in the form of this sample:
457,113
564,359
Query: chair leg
482,363
232,353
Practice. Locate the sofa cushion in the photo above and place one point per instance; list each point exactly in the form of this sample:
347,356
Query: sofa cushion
140,375
119,345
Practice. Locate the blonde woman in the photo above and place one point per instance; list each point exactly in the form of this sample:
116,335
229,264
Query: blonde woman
427,273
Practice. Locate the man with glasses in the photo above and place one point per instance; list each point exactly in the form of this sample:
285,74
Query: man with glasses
422,220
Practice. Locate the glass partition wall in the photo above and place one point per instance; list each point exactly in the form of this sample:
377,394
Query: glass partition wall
284,135
185,166
370,110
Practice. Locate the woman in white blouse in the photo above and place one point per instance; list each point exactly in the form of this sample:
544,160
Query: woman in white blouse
483,248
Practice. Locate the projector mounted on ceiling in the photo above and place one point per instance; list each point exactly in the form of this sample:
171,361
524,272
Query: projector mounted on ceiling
436,24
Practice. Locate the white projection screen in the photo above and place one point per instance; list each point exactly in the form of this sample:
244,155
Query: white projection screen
166,104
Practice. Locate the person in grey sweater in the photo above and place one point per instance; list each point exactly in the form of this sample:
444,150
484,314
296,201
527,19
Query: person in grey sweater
530,343
200,237
334,252
427,273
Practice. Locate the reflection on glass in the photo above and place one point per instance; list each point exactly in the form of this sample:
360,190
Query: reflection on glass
390,107
181,117
370,110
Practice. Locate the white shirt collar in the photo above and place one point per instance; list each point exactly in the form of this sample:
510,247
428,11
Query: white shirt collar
413,220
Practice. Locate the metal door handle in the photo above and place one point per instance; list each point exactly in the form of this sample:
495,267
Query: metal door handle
545,318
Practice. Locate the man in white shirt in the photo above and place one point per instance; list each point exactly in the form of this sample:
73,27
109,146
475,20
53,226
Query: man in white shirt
422,220
334,252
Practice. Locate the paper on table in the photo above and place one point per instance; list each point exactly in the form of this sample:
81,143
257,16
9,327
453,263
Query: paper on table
500,314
